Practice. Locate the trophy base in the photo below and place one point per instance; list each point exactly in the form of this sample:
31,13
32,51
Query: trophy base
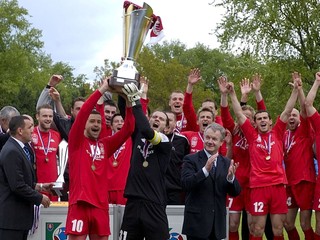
58,186
117,81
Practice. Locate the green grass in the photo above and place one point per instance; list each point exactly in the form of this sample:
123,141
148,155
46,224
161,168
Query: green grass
313,224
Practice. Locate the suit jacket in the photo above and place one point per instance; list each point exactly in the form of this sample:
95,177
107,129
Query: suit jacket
205,207
17,188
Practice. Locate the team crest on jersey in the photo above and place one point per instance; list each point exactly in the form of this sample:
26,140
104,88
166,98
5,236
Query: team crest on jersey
34,138
194,141
259,138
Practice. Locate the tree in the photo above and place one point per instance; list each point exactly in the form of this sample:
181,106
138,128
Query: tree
277,29
24,67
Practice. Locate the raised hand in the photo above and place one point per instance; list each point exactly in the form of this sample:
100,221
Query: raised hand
223,82
54,94
230,87
256,82
318,77
245,86
211,160
55,80
104,85
297,80
145,82
132,92
232,169
194,76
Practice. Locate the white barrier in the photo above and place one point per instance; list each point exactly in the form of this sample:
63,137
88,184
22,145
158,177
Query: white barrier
52,222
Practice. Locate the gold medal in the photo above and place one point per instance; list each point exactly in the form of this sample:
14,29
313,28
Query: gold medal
145,163
115,163
93,167
268,157
47,159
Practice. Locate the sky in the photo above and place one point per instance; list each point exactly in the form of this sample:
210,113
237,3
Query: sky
84,33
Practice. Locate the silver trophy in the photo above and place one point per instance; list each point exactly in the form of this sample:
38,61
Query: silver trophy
63,159
136,24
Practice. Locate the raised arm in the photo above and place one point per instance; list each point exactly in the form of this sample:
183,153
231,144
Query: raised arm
256,86
284,117
312,95
301,96
44,97
235,104
222,82
188,108
55,96
245,88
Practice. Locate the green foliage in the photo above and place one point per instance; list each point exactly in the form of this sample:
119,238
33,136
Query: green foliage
24,68
281,29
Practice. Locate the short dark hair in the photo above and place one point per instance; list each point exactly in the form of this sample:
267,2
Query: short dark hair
167,120
17,122
113,117
261,111
110,102
205,109
78,99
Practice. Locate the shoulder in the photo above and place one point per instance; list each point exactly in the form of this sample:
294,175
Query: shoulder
179,136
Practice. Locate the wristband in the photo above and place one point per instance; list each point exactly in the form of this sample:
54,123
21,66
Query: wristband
41,185
48,86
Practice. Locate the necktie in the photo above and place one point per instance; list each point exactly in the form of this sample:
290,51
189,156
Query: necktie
26,150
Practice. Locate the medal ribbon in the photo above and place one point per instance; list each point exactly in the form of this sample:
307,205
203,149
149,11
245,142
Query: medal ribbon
200,136
116,154
268,145
289,141
45,150
145,150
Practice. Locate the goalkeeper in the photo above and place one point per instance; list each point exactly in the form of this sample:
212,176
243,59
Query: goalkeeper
145,211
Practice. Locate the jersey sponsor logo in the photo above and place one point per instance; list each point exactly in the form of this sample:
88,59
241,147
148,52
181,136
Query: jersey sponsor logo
242,143
96,151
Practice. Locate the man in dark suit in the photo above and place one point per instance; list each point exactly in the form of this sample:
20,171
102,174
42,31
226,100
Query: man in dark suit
18,187
207,178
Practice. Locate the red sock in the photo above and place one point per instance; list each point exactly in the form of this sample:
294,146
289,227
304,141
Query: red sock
278,238
293,234
308,234
255,238
233,235
316,236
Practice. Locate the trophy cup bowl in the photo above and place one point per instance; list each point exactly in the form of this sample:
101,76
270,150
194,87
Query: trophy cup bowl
136,26
63,158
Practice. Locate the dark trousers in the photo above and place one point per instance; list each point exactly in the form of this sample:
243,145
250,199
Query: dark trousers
13,234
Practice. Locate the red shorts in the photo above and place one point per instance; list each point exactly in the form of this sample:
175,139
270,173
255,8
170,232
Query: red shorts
270,199
116,197
239,203
84,218
301,195
316,201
